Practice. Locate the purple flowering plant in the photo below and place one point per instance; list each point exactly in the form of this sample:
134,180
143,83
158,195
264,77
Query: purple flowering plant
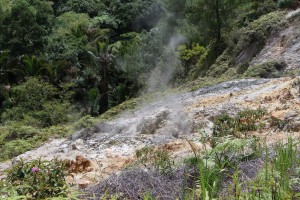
35,169
39,179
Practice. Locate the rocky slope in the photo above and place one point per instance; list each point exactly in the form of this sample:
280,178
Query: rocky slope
284,44
170,122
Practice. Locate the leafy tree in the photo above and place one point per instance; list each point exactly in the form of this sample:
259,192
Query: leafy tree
68,38
133,15
213,16
39,101
190,57
24,27
91,7
32,66
101,65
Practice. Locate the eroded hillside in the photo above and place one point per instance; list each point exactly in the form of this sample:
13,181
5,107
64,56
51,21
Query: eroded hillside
169,123
187,124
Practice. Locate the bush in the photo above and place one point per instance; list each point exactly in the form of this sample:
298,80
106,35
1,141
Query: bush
159,159
14,148
231,151
266,70
223,125
244,121
248,41
38,179
287,3
39,102
17,138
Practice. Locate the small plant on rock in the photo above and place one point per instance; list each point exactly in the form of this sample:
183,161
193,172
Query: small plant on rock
159,159
244,122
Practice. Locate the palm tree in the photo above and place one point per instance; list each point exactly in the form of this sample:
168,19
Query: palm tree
31,66
101,64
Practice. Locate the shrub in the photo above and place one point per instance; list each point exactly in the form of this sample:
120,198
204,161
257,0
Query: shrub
266,70
14,148
223,125
248,41
194,57
85,122
39,102
231,151
247,119
38,179
244,121
287,3
159,159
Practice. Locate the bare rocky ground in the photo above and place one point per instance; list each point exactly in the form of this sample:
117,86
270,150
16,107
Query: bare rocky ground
168,123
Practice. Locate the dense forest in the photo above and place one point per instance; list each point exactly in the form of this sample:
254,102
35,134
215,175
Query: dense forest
228,70
63,60
103,52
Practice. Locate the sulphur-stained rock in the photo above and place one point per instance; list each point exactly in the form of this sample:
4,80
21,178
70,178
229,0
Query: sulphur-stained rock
83,184
80,165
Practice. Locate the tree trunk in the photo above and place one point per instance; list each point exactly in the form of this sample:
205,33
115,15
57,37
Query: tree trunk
219,23
104,86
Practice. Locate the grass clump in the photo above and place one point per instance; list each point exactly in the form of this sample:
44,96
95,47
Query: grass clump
278,179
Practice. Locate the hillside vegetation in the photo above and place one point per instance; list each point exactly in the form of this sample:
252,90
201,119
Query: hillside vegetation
66,65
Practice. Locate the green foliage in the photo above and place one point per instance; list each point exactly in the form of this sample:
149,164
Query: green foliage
231,151
115,111
31,66
19,137
38,100
91,7
194,57
208,184
38,179
159,159
14,148
244,122
287,3
24,28
266,70
278,179
224,125
65,43
285,157
255,32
